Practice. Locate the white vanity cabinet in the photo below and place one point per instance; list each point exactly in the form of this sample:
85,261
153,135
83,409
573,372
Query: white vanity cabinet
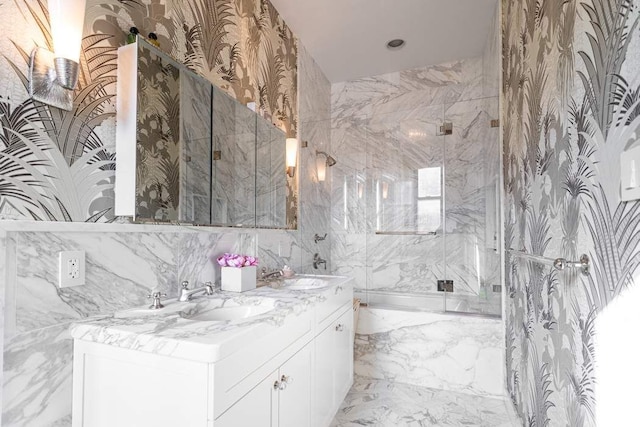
333,366
291,372
282,399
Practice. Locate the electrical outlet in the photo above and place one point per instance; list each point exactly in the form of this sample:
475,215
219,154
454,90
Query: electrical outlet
71,269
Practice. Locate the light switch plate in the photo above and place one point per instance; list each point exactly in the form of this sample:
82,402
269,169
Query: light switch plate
630,174
71,269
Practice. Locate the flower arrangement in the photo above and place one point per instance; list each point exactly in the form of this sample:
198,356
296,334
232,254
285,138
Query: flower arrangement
235,260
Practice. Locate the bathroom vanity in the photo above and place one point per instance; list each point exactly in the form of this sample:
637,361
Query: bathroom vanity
269,357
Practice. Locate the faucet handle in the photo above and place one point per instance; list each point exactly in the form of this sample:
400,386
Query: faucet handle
185,284
156,304
210,288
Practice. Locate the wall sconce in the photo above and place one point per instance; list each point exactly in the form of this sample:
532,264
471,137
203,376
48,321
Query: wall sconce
321,168
53,75
322,164
292,156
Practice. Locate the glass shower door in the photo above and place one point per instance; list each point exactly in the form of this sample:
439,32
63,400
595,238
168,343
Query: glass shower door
405,160
471,213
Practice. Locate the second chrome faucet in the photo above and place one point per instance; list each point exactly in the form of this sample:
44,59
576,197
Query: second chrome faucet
186,294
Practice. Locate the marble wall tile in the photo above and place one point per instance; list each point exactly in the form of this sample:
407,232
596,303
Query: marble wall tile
197,254
462,354
349,257
121,269
315,130
314,101
37,385
408,264
277,248
491,58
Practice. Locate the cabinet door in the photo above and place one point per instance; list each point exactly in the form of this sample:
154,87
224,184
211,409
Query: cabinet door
258,408
295,396
343,362
333,368
323,377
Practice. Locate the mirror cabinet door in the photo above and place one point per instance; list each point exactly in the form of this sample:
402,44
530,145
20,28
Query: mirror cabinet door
158,138
270,175
196,153
233,172
201,157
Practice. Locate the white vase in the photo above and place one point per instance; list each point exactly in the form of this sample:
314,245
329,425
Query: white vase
238,279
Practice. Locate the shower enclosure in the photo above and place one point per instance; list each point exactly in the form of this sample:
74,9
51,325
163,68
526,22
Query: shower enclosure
416,218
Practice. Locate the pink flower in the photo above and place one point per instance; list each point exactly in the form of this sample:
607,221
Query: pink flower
235,260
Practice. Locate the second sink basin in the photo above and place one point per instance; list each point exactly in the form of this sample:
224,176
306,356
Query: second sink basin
305,283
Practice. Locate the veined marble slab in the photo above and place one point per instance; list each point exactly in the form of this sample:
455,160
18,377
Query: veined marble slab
383,403
457,353
172,332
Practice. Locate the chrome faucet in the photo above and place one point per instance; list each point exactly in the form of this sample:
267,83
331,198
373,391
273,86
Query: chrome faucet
186,294
318,238
317,261
264,275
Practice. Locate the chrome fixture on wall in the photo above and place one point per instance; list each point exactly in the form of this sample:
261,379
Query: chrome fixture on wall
53,75
318,261
318,238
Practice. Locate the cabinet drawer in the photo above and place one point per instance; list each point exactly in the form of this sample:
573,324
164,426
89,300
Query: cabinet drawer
336,298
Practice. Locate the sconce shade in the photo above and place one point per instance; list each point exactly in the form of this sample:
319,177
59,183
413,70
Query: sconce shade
67,22
291,156
53,75
321,167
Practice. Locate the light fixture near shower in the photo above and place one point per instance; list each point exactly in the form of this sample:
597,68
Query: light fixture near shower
322,164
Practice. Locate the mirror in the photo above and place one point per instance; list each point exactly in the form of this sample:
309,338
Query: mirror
189,153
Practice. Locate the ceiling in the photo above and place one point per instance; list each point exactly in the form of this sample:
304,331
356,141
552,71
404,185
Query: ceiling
348,38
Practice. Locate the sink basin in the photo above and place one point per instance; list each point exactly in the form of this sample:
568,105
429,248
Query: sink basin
231,313
305,283
216,310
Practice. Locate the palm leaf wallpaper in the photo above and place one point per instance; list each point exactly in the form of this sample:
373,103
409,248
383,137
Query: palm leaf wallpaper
48,156
571,107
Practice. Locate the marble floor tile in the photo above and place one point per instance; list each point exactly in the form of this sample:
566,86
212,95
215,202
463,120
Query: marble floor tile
382,403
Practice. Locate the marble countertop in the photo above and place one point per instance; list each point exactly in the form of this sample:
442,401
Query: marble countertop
171,331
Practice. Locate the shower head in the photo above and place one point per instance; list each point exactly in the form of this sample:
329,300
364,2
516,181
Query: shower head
330,160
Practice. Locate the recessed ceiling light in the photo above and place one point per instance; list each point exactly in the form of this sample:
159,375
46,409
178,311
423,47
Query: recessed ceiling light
395,44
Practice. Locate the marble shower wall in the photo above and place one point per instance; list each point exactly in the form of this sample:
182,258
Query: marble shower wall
314,128
384,130
124,263
456,353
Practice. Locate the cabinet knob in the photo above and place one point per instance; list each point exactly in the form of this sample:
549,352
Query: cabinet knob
339,327
285,379
278,385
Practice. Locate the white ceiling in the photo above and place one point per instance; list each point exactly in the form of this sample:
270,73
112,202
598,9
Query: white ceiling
348,37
